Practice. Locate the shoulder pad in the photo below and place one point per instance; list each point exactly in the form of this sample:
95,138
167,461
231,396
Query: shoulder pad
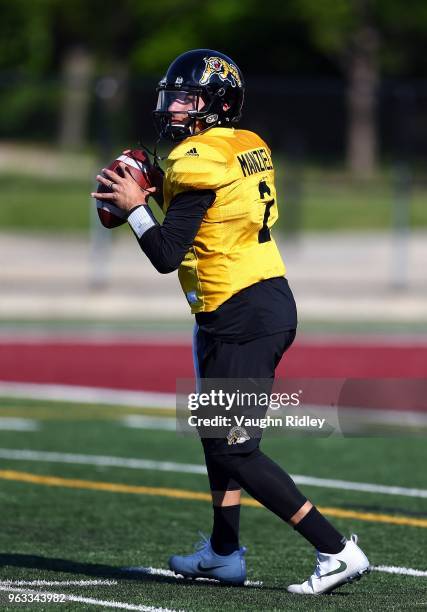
196,165
255,140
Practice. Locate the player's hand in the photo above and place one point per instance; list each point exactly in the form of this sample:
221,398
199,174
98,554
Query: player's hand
125,192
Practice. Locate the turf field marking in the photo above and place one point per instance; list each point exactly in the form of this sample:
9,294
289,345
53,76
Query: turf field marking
406,571
83,583
191,468
18,424
150,571
137,421
84,412
366,487
88,395
139,464
112,487
88,600
157,571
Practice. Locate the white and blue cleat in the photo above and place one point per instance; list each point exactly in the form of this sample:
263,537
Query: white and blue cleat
205,563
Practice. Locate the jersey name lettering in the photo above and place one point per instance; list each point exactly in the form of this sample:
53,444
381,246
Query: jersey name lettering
257,160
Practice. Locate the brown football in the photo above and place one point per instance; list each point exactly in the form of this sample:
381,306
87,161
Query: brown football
144,173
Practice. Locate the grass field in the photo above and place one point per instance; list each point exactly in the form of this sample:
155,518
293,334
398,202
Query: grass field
71,520
328,202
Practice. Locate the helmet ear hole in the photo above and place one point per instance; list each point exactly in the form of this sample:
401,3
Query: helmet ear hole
211,119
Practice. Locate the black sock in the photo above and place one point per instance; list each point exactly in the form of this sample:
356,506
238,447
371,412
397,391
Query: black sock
320,533
225,532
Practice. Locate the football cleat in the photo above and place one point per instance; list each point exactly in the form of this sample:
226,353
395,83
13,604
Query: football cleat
333,571
205,563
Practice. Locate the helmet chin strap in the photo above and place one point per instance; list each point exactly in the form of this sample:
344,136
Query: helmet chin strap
179,131
156,157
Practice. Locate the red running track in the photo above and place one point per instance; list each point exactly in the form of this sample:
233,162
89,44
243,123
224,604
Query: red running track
155,367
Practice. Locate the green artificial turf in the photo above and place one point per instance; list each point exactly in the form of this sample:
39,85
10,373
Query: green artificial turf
58,533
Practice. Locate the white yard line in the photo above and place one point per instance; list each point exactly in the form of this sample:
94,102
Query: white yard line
82,583
191,468
88,395
406,571
156,571
387,569
139,464
137,421
366,487
18,424
86,600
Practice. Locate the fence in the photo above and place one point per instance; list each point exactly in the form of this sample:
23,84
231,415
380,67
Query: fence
300,118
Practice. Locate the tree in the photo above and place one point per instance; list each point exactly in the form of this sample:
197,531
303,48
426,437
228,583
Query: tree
366,38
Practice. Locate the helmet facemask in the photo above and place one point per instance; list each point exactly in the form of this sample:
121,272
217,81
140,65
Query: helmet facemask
206,111
172,122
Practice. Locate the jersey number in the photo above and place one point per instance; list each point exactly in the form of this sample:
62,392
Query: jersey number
264,232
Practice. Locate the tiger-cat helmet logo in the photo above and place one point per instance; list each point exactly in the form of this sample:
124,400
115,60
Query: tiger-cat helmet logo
223,69
237,435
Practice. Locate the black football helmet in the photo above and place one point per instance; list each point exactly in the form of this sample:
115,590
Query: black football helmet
207,85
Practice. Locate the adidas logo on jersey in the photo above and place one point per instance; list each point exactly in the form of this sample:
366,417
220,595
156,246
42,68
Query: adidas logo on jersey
193,152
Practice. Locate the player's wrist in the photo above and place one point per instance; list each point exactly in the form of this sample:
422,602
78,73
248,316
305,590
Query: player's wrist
129,203
134,207
141,219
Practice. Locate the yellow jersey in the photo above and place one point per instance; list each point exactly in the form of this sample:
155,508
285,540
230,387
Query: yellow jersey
233,248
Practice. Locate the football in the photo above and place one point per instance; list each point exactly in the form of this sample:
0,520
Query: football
143,172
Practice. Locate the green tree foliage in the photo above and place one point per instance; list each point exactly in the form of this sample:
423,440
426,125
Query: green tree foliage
295,37
274,36
26,42
401,28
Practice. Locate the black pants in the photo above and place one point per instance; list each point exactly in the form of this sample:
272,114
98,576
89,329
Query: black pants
216,359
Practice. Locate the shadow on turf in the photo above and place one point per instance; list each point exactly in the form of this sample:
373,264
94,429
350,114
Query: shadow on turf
37,562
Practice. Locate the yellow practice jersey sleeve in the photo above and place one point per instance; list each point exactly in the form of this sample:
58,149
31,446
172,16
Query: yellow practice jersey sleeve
233,248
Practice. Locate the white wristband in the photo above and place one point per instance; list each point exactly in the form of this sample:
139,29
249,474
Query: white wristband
141,220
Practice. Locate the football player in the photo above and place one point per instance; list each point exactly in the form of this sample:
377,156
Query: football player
220,205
